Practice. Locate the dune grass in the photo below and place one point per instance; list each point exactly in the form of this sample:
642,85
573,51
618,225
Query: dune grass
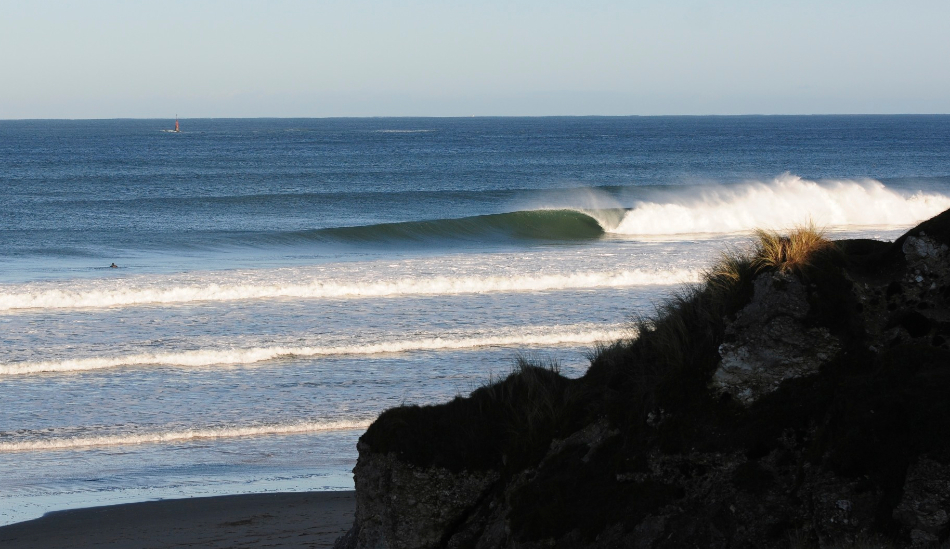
676,351
506,424
792,252
671,361
510,422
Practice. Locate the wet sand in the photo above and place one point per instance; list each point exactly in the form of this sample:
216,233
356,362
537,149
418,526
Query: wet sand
307,519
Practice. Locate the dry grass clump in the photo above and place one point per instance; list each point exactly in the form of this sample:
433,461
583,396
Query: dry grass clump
687,325
677,347
790,253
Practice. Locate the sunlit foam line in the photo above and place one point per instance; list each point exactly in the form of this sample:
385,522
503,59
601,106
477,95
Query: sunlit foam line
210,357
67,443
67,298
780,204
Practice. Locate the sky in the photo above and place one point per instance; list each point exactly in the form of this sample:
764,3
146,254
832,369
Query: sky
288,58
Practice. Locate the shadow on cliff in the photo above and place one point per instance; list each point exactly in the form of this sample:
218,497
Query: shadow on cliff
797,397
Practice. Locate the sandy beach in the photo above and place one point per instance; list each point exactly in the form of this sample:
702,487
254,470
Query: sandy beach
308,519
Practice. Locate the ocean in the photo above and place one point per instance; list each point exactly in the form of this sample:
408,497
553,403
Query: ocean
280,282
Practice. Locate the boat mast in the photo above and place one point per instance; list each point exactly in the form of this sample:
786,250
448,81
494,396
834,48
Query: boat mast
176,124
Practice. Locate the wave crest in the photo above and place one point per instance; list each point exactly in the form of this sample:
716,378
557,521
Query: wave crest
535,336
786,201
159,291
179,435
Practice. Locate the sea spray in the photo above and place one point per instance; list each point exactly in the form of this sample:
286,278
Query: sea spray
782,203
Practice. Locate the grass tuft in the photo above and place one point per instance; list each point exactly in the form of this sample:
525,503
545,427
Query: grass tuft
790,253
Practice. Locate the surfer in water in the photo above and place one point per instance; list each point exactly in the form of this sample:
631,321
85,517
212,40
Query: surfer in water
113,266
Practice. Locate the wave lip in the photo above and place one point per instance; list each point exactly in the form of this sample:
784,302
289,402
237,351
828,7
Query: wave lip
782,203
181,435
536,336
119,293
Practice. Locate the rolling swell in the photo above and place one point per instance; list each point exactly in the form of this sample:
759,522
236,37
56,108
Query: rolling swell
556,225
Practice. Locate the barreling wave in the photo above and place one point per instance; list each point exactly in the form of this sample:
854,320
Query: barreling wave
544,224
113,293
784,202
179,435
535,336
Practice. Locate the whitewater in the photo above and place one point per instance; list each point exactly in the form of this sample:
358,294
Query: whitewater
62,443
229,287
782,203
549,336
279,283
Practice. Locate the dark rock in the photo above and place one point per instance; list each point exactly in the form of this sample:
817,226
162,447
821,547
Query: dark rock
766,409
925,502
771,342
402,506
916,324
894,288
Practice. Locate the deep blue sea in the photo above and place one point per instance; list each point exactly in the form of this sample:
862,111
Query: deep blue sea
279,282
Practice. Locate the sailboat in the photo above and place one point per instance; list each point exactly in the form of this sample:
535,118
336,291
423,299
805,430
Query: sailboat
177,128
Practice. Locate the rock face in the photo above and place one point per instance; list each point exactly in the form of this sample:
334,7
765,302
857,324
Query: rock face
921,250
402,506
799,409
925,502
769,341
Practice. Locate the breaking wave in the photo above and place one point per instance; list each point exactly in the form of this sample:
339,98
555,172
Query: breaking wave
535,336
782,203
121,292
580,215
786,201
180,435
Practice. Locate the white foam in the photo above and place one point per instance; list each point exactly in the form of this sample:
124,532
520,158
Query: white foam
782,203
65,443
158,290
525,336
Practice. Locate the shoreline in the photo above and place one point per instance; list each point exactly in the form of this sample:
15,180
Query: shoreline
284,519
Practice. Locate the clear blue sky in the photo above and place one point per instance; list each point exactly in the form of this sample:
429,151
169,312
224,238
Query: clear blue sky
97,59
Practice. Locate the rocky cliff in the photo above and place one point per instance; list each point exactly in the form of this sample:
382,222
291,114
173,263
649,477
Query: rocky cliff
799,397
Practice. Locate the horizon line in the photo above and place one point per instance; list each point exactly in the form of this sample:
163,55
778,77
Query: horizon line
748,115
